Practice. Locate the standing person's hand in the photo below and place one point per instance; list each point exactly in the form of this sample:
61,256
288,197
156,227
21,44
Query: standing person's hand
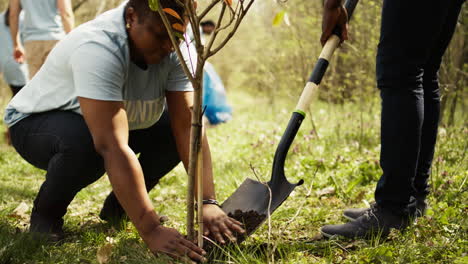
18,53
219,225
334,14
170,242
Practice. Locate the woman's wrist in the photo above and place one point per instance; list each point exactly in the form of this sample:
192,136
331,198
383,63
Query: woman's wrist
148,222
211,202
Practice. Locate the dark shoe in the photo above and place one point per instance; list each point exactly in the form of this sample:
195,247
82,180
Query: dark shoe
374,222
355,213
112,211
416,207
421,206
49,229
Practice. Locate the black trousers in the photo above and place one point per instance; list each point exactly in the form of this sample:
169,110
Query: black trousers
414,36
15,88
60,143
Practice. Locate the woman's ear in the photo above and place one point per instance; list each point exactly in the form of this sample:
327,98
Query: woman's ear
130,17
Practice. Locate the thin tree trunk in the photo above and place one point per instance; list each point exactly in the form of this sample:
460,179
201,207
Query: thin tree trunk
200,193
195,148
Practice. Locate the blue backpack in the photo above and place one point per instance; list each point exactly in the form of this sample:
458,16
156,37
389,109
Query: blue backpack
214,97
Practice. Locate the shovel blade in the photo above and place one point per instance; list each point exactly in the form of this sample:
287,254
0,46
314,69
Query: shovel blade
250,196
253,201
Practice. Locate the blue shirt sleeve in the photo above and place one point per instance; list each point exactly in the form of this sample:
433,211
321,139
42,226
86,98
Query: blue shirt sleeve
97,72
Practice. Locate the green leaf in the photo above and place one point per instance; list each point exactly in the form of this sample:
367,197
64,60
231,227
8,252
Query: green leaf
154,4
278,18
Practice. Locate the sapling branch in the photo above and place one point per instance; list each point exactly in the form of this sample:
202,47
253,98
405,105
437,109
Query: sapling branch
215,32
195,76
240,17
208,9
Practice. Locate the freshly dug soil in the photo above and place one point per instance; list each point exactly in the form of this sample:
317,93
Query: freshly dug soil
250,220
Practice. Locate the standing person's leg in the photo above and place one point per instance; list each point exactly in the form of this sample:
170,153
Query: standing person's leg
60,143
402,53
36,54
432,103
407,32
34,61
158,156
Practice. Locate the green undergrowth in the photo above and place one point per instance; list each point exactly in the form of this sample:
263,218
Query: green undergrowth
336,152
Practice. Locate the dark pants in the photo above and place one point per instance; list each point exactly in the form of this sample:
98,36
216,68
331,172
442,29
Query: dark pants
60,142
414,36
15,89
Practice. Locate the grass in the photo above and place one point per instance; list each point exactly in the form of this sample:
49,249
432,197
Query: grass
342,153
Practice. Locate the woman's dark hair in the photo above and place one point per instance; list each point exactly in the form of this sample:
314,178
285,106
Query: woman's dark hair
7,14
210,23
144,11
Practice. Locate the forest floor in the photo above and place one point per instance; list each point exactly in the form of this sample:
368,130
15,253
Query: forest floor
338,157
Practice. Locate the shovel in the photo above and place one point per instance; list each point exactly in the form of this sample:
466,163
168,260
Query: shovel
253,202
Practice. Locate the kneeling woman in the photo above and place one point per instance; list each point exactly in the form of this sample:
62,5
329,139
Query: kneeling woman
98,100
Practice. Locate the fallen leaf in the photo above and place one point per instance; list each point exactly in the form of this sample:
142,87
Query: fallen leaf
351,245
20,211
104,253
326,191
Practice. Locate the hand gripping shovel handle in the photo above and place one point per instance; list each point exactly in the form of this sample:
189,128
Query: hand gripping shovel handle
321,66
306,97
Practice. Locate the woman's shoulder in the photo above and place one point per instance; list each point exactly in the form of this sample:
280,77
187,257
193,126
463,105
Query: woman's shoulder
104,33
108,27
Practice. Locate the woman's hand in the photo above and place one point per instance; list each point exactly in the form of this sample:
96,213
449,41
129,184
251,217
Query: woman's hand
334,14
18,53
219,225
170,242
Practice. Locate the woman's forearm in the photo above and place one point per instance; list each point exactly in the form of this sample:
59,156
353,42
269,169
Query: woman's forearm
68,21
183,146
126,177
66,13
208,182
13,19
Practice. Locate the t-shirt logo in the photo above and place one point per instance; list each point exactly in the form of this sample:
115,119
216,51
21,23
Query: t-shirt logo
143,113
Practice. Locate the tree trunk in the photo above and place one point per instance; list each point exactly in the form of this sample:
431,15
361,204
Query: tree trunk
195,147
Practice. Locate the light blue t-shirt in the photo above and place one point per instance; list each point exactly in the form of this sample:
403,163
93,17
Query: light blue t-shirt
13,72
93,61
42,20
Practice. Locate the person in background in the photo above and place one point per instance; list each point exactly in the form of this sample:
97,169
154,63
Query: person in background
413,38
100,100
15,74
45,23
217,109
207,27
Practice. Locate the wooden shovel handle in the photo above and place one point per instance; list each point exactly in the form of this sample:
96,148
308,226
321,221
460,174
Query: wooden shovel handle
321,66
